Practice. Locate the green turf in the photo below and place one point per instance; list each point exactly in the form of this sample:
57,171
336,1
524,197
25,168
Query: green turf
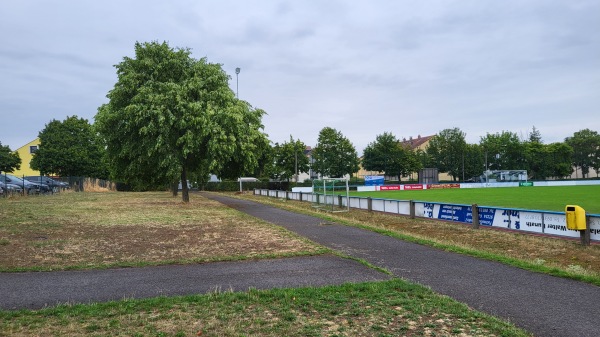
553,198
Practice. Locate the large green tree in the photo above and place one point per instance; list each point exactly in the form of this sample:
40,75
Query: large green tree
387,154
446,151
289,159
334,156
586,150
170,114
503,151
473,161
9,160
560,155
69,148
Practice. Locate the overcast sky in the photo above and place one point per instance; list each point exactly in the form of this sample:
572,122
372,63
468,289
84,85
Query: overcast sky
363,67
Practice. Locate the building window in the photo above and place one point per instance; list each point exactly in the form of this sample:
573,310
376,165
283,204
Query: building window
33,149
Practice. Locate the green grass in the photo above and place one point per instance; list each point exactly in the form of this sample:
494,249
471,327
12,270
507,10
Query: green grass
553,198
390,308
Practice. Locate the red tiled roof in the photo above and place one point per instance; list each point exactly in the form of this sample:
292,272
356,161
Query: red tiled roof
414,143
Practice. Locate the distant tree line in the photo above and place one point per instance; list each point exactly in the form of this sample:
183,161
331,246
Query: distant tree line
172,118
449,152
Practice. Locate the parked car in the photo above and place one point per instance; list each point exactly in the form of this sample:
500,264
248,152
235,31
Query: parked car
9,189
53,184
28,186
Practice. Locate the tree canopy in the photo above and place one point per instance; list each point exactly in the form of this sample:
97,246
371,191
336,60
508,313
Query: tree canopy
69,148
387,154
334,156
9,161
447,150
289,159
170,114
586,150
504,151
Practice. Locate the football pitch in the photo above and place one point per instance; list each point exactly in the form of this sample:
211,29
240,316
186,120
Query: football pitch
553,198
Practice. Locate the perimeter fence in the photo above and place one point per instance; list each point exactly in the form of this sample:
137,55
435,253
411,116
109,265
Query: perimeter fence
514,219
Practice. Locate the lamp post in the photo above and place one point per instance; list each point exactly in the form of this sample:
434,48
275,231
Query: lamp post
237,83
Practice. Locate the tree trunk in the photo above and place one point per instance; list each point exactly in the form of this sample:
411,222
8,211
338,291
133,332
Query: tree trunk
185,193
174,189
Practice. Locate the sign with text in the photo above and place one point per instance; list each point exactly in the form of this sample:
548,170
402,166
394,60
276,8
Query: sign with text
556,224
413,187
389,188
442,186
373,180
594,224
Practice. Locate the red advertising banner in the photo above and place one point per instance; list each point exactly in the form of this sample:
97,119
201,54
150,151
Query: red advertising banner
439,186
389,188
413,187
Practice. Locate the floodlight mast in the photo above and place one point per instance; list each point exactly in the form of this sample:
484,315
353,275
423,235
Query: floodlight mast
237,83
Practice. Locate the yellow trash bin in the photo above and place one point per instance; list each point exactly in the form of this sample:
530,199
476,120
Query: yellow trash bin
575,217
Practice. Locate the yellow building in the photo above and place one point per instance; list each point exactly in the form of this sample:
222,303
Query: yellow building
26,153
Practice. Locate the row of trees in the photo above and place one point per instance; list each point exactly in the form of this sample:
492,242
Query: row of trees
449,152
69,148
171,118
333,156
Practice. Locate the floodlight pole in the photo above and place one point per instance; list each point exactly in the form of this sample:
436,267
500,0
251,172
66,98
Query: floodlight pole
486,169
237,83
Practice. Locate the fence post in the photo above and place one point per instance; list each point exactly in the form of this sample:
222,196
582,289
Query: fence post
412,209
300,196
585,235
370,204
475,211
340,200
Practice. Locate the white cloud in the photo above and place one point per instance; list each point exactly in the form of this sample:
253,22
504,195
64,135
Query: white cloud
363,67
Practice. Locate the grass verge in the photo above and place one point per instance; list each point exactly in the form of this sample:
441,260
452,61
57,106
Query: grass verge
558,257
390,308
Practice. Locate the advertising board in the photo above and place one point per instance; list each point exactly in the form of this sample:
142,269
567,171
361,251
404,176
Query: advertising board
594,223
374,180
413,187
442,186
556,224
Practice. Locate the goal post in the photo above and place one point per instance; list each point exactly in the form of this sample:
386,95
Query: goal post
328,194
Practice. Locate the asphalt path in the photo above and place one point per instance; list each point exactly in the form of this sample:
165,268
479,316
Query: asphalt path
36,290
541,304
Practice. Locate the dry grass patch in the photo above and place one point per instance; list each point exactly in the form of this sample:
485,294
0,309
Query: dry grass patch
75,230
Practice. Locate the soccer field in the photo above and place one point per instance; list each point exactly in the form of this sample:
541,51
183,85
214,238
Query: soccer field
535,198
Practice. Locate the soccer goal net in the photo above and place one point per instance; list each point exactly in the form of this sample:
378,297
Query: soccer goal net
331,194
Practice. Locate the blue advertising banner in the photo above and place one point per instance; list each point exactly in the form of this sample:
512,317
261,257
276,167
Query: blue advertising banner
486,216
374,180
454,213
